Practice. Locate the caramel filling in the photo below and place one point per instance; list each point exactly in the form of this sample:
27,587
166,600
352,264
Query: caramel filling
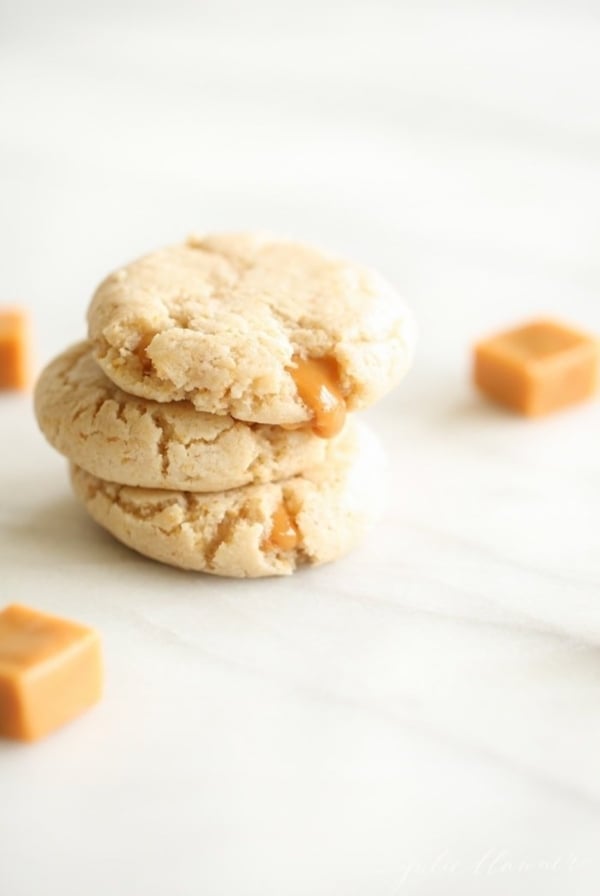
318,384
284,534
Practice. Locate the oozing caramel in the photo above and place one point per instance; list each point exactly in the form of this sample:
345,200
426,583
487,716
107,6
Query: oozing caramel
318,384
283,534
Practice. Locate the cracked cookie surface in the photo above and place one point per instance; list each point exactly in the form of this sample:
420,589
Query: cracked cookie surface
127,439
220,319
326,509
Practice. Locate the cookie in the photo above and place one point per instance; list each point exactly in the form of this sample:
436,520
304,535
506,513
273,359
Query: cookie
130,440
257,530
264,330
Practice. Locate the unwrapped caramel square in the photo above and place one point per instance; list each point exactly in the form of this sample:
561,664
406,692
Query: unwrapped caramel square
50,671
14,348
537,368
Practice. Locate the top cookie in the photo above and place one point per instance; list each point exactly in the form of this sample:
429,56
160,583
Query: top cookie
264,330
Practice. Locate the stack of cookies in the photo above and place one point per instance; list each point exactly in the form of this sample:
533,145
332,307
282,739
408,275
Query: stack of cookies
206,416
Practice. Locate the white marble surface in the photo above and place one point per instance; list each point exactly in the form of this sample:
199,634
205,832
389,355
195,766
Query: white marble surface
423,717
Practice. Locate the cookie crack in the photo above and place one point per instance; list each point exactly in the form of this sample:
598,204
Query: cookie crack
98,405
239,267
222,536
144,514
166,436
120,411
113,493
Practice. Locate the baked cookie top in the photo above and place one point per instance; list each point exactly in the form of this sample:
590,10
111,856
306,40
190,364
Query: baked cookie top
265,330
139,442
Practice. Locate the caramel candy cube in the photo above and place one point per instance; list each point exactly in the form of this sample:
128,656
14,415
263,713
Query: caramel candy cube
14,348
537,368
50,671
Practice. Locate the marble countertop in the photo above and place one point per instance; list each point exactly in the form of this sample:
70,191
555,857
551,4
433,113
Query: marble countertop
421,717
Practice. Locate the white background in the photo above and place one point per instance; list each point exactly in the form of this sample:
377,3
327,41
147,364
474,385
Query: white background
422,717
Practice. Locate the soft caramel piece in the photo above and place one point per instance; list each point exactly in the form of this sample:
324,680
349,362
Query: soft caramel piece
318,384
537,368
50,671
284,534
14,348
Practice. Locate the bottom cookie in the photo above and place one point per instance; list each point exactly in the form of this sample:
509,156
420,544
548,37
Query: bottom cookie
256,530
